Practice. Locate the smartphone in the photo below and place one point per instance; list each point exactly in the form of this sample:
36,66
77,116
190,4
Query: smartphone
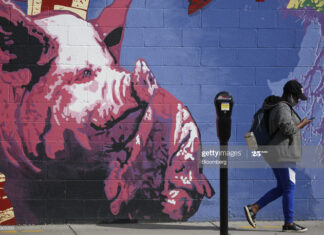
312,118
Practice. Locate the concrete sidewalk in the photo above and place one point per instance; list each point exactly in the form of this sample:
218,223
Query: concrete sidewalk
185,228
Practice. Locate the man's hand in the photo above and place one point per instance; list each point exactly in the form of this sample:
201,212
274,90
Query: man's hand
303,123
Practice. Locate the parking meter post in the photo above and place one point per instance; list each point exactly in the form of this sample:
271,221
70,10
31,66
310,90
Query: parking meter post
224,106
223,191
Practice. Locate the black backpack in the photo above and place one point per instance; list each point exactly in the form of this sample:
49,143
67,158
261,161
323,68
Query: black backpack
260,125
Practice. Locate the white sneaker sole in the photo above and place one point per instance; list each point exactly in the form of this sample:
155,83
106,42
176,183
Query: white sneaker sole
248,217
295,231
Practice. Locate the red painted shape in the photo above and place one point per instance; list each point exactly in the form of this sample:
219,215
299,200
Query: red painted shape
195,5
5,204
49,4
112,17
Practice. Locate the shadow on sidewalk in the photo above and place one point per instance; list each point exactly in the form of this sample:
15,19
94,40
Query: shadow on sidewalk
155,226
161,226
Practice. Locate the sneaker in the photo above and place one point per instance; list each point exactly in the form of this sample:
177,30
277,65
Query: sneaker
250,215
295,228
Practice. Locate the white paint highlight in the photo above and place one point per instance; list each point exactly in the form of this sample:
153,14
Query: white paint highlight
174,193
172,201
138,140
185,180
148,114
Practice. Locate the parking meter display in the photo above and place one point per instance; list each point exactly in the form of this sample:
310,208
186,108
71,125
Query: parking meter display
225,107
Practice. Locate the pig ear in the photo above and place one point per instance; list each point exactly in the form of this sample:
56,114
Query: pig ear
112,39
113,17
23,45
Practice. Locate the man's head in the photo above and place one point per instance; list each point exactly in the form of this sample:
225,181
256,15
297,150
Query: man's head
293,91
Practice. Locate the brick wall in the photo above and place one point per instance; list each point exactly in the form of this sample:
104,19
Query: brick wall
235,45
241,46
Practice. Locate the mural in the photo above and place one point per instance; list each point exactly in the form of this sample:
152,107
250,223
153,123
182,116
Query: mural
79,7
310,76
7,216
84,139
75,115
298,4
195,5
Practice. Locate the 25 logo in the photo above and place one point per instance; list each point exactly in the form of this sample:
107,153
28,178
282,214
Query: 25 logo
256,153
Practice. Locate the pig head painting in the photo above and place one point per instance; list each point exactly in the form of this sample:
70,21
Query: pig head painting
82,137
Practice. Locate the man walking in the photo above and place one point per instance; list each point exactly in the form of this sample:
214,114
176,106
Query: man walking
284,149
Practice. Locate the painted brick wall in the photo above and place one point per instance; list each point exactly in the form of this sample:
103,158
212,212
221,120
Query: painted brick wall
247,48
238,46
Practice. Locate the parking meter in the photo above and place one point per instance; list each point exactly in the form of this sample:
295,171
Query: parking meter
224,106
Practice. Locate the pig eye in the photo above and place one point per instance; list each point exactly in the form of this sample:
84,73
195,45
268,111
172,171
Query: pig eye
87,73
83,76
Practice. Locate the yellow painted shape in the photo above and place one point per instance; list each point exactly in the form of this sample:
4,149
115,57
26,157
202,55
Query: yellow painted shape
293,4
81,4
6,215
2,178
296,4
34,7
9,231
79,12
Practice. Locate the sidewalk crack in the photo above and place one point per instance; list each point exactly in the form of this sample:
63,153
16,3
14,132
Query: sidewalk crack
75,233
214,224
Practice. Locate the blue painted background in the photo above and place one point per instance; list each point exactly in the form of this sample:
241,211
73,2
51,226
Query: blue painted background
241,46
233,45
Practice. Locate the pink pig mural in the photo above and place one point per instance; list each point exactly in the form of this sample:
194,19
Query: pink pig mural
69,112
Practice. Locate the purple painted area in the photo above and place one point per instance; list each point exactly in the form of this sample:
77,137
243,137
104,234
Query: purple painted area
316,96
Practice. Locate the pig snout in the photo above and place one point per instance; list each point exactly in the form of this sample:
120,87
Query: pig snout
162,165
